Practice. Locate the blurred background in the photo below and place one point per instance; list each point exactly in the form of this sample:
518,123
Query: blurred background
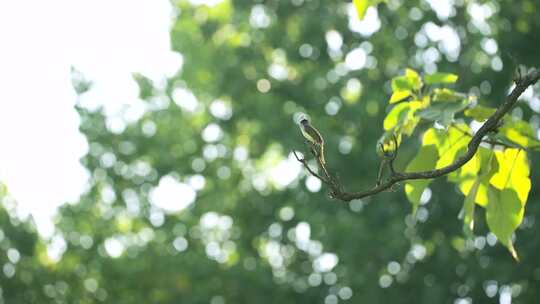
145,152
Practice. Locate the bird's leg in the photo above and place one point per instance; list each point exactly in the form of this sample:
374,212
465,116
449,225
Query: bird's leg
381,170
382,165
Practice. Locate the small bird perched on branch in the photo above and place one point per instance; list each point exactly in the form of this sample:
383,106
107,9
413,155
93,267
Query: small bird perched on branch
314,137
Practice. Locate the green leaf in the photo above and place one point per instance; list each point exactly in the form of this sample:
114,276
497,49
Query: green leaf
361,7
513,173
402,117
481,167
399,96
450,144
409,82
447,95
520,132
504,213
480,113
446,78
443,113
424,160
393,117
413,78
508,196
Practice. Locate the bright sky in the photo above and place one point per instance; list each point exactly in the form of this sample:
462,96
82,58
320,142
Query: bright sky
107,41
40,145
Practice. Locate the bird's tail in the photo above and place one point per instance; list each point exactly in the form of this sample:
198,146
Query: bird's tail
321,154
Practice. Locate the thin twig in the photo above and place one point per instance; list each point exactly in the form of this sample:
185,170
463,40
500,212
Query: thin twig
304,162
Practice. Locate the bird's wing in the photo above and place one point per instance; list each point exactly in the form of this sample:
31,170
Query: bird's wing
306,135
314,134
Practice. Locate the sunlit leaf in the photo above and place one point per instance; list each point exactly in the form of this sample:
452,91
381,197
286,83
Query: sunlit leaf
414,79
395,115
520,132
409,82
450,144
402,117
447,95
361,7
446,78
481,197
508,196
480,113
480,168
399,95
424,160
454,146
513,173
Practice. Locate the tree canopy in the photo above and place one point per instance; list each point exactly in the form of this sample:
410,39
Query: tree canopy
201,200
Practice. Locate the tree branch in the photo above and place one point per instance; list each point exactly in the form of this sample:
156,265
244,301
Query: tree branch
395,177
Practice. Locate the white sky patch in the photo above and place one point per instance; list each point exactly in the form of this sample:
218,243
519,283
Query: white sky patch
185,99
418,251
285,172
356,59
313,184
56,248
446,36
490,46
278,71
114,247
216,236
107,41
334,40
302,235
220,109
213,219
259,18
206,2
325,262
479,14
209,220
443,8
366,27
241,153
505,295
180,244
197,182
212,133
529,96
272,253
171,195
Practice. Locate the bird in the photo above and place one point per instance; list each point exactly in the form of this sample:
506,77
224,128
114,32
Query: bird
313,136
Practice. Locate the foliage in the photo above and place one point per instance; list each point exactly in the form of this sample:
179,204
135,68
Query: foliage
255,227
503,186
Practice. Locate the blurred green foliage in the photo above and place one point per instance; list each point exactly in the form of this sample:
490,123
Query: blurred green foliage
256,232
